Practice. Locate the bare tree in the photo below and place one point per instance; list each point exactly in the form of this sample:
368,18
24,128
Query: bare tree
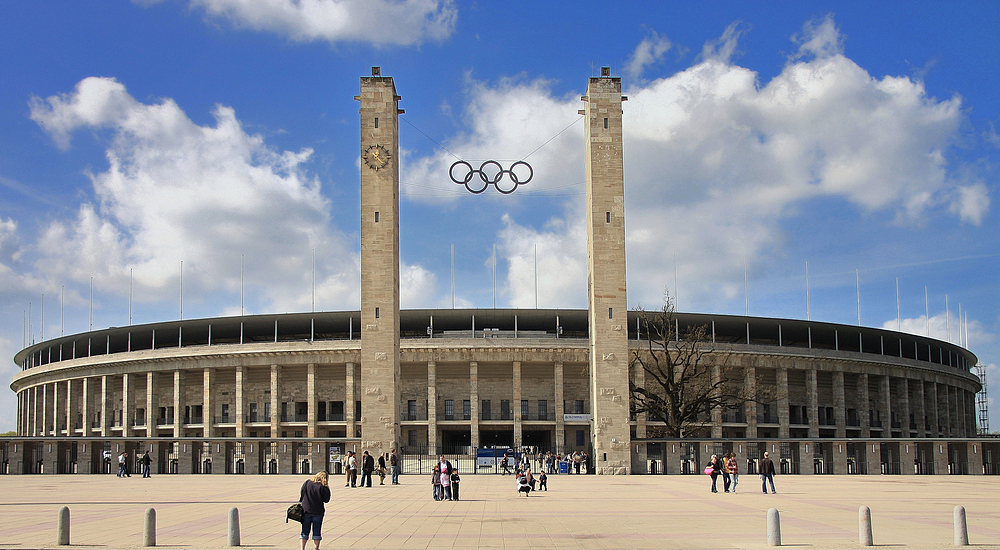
685,375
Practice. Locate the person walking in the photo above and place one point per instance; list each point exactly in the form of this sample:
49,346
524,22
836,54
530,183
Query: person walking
352,469
766,473
381,468
146,461
445,467
315,491
733,467
436,480
543,481
367,468
122,463
725,472
505,465
394,464
714,468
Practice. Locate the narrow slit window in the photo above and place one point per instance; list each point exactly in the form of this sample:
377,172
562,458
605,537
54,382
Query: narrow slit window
611,313
607,216
605,123
376,313
376,217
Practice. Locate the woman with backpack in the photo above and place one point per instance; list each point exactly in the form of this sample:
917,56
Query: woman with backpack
314,493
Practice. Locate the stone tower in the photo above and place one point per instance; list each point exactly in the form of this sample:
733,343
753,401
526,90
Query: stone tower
379,263
609,357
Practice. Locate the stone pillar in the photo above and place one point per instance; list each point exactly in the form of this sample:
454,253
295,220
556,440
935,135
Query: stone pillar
960,423
311,401
932,412
975,453
750,409
380,425
127,412
806,457
184,452
886,394
840,457
945,407
717,411
904,406
85,410
873,455
208,407
907,450
608,308
83,459
919,411
672,459
152,403
518,440
864,405
241,373
432,406
105,407
177,407
34,411
812,402
940,458
560,407
276,399
70,410
840,410
45,410
251,452
783,420
474,398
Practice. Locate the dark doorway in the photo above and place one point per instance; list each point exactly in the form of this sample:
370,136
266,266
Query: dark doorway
541,439
455,441
496,438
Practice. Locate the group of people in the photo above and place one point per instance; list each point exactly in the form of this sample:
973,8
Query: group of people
445,480
387,462
548,461
526,481
728,467
123,465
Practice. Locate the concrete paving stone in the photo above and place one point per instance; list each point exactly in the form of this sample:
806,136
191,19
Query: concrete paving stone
578,512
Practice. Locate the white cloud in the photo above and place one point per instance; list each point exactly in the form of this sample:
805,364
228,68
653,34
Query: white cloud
176,191
417,287
651,50
941,325
561,262
379,22
715,161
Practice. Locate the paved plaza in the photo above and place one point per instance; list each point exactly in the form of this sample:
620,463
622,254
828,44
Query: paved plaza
577,512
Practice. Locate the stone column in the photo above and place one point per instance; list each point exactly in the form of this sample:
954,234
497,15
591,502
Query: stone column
127,411
152,403
904,406
105,406
70,410
207,409
311,401
241,373
55,409
560,407
783,420
351,396
840,411
886,392
474,397
940,458
518,439
974,452
608,307
920,408
960,410
717,411
864,405
907,450
812,402
85,405
806,457
946,408
432,406
840,457
932,412
873,455
178,413
45,410
276,399
750,409
953,411
34,411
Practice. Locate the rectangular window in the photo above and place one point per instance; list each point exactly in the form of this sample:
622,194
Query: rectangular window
412,438
376,122
467,410
485,413
411,409
611,313
376,217
225,412
267,411
605,122
579,407
321,411
253,412
284,412
376,313
357,410
607,216
524,408
449,409
543,409
504,409
579,438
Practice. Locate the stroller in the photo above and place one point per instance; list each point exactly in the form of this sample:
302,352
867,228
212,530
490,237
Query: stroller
523,485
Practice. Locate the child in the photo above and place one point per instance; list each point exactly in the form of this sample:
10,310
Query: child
523,486
436,481
543,481
454,482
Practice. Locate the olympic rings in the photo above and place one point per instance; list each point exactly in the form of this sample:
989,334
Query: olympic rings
492,173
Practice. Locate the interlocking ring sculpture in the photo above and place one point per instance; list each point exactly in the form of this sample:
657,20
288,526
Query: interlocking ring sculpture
492,173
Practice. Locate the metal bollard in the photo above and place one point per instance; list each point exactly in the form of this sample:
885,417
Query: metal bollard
961,528
865,527
234,527
62,527
149,528
773,527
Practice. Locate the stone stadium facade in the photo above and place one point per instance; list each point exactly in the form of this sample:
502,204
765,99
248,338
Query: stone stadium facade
291,393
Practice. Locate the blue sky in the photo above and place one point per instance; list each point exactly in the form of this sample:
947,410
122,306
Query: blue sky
137,135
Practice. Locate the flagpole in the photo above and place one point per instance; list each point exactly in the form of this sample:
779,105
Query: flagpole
452,276
536,275
808,313
927,313
857,275
898,320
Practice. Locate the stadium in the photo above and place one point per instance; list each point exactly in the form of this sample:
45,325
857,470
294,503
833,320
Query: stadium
291,393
